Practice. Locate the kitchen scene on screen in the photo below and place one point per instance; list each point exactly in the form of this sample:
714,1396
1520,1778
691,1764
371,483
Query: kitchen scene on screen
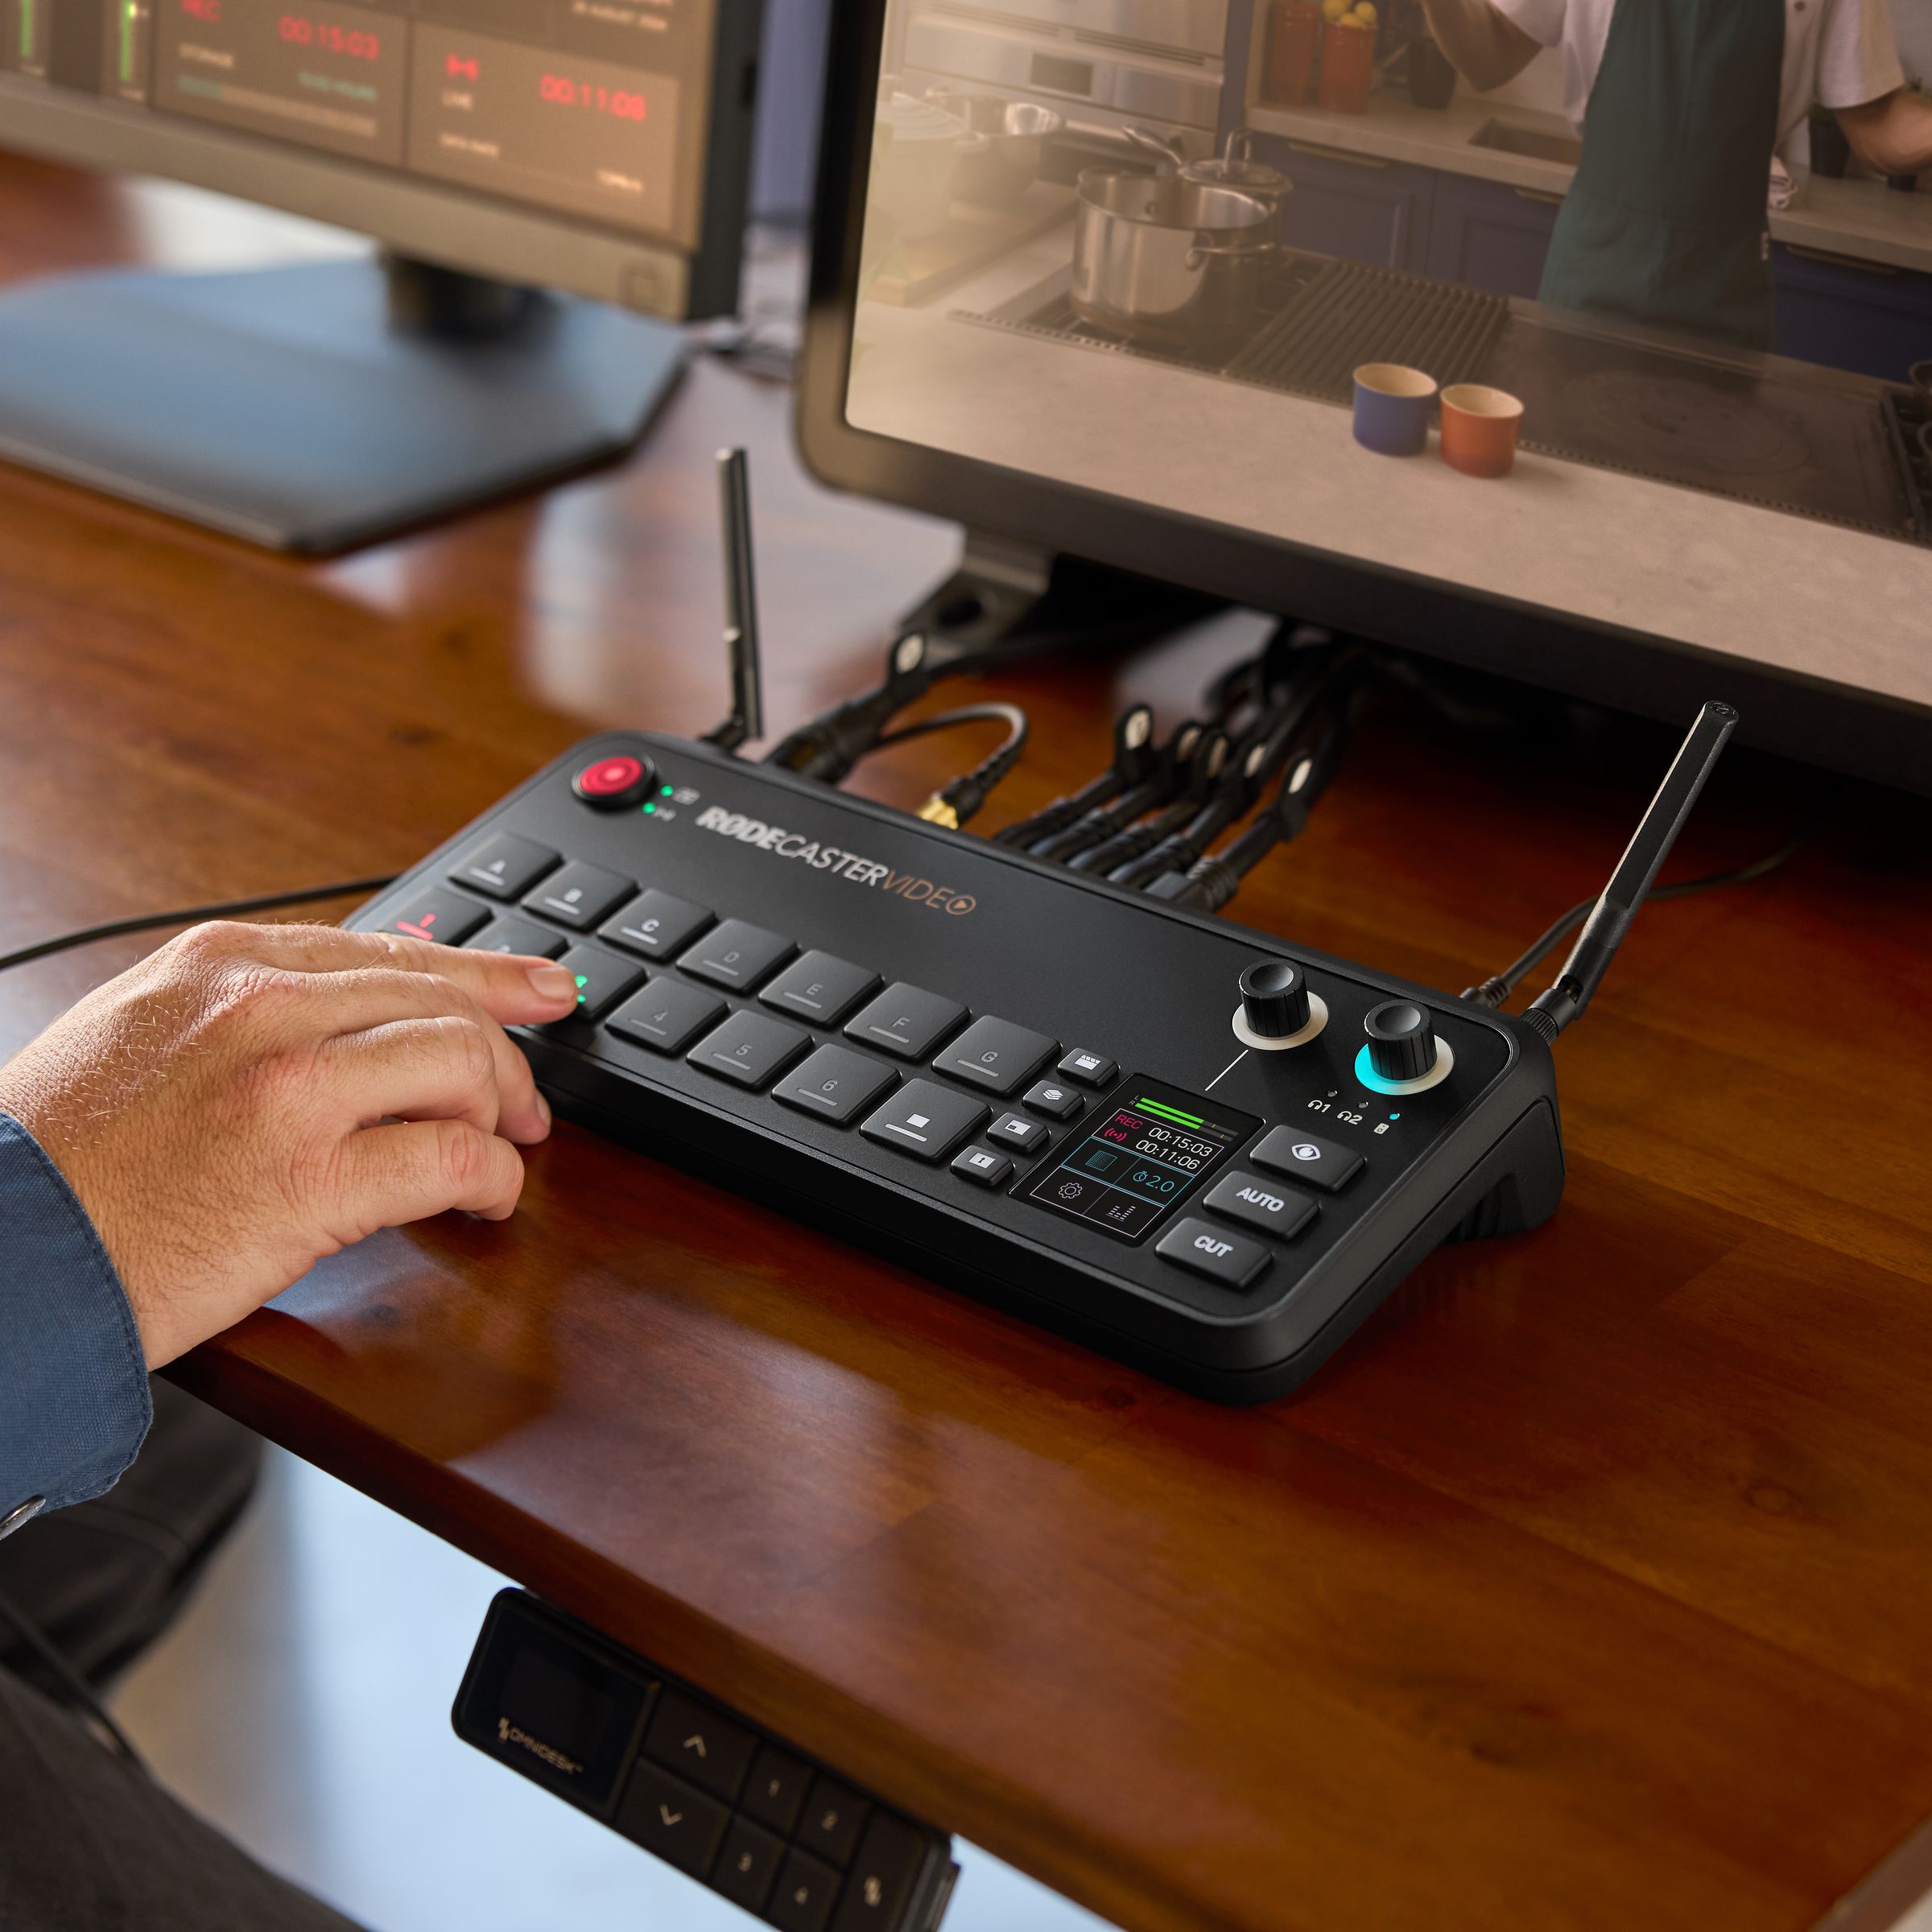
1594,254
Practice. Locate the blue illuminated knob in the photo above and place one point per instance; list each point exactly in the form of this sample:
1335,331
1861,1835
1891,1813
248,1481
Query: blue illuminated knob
1275,999
1401,1041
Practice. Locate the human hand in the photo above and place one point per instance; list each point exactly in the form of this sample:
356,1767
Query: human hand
249,1099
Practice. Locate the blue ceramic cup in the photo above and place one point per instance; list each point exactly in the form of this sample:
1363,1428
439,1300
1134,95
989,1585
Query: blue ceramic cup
1392,407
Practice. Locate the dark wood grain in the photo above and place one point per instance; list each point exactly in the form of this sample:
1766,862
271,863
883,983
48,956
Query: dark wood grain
1587,1589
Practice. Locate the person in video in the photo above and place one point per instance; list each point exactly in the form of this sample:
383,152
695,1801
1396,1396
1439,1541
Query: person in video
183,1145
1681,104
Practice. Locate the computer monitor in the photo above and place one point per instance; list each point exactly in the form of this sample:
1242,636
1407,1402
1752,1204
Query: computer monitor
1096,276
507,154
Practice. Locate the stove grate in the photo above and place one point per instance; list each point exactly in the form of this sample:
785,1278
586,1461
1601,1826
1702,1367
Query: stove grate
1909,430
1326,319
1351,313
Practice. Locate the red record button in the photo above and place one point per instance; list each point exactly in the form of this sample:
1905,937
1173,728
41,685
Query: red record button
615,784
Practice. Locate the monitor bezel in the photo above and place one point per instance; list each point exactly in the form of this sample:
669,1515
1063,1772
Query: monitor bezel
1871,734
417,215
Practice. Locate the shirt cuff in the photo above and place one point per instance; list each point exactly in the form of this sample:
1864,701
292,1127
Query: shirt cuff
74,1402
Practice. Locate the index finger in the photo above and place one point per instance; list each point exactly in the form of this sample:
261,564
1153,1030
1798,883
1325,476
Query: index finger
512,988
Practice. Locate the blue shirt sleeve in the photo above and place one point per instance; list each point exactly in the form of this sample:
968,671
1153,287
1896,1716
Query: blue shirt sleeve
74,1403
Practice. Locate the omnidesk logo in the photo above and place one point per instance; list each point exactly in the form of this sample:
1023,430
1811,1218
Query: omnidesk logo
841,863
507,1733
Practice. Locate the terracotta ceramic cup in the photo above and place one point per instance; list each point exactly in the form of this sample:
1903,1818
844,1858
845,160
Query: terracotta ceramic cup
1479,429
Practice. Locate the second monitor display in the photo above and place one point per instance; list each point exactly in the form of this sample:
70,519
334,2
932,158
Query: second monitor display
591,107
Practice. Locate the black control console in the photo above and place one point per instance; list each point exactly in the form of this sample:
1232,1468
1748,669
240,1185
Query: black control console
1203,1151
702,1788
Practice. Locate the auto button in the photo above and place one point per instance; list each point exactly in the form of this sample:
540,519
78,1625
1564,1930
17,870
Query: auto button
1266,1205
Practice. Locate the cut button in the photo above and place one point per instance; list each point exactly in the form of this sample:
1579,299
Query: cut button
1231,1259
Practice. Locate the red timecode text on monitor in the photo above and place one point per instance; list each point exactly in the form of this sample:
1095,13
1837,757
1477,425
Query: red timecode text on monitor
561,91
300,30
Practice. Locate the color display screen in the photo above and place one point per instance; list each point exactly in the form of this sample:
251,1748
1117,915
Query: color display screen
1142,1155
586,107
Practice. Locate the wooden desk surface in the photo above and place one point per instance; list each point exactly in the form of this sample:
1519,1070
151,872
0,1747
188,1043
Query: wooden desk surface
1588,1588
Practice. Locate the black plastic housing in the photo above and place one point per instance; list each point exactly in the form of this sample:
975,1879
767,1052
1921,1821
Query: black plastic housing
1094,966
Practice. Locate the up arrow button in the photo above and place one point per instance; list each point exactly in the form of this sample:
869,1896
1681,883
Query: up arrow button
700,1744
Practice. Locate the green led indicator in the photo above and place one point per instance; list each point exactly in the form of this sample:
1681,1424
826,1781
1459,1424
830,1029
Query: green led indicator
663,791
651,807
582,980
1395,1116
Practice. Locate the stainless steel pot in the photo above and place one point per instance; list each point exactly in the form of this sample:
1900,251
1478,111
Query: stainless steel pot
1237,167
1163,260
1017,134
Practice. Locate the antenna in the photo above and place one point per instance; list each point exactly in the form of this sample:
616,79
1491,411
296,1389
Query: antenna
747,719
1550,1012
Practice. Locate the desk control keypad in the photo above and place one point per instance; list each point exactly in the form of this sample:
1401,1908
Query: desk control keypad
1021,1082
704,1789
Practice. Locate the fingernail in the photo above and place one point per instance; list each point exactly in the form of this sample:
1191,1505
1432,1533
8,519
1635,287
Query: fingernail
553,982
543,1112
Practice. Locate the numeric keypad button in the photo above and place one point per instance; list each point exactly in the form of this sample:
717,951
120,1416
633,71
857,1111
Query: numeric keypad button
750,1048
835,1084
833,1816
802,1900
667,1015
774,1793
747,1865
